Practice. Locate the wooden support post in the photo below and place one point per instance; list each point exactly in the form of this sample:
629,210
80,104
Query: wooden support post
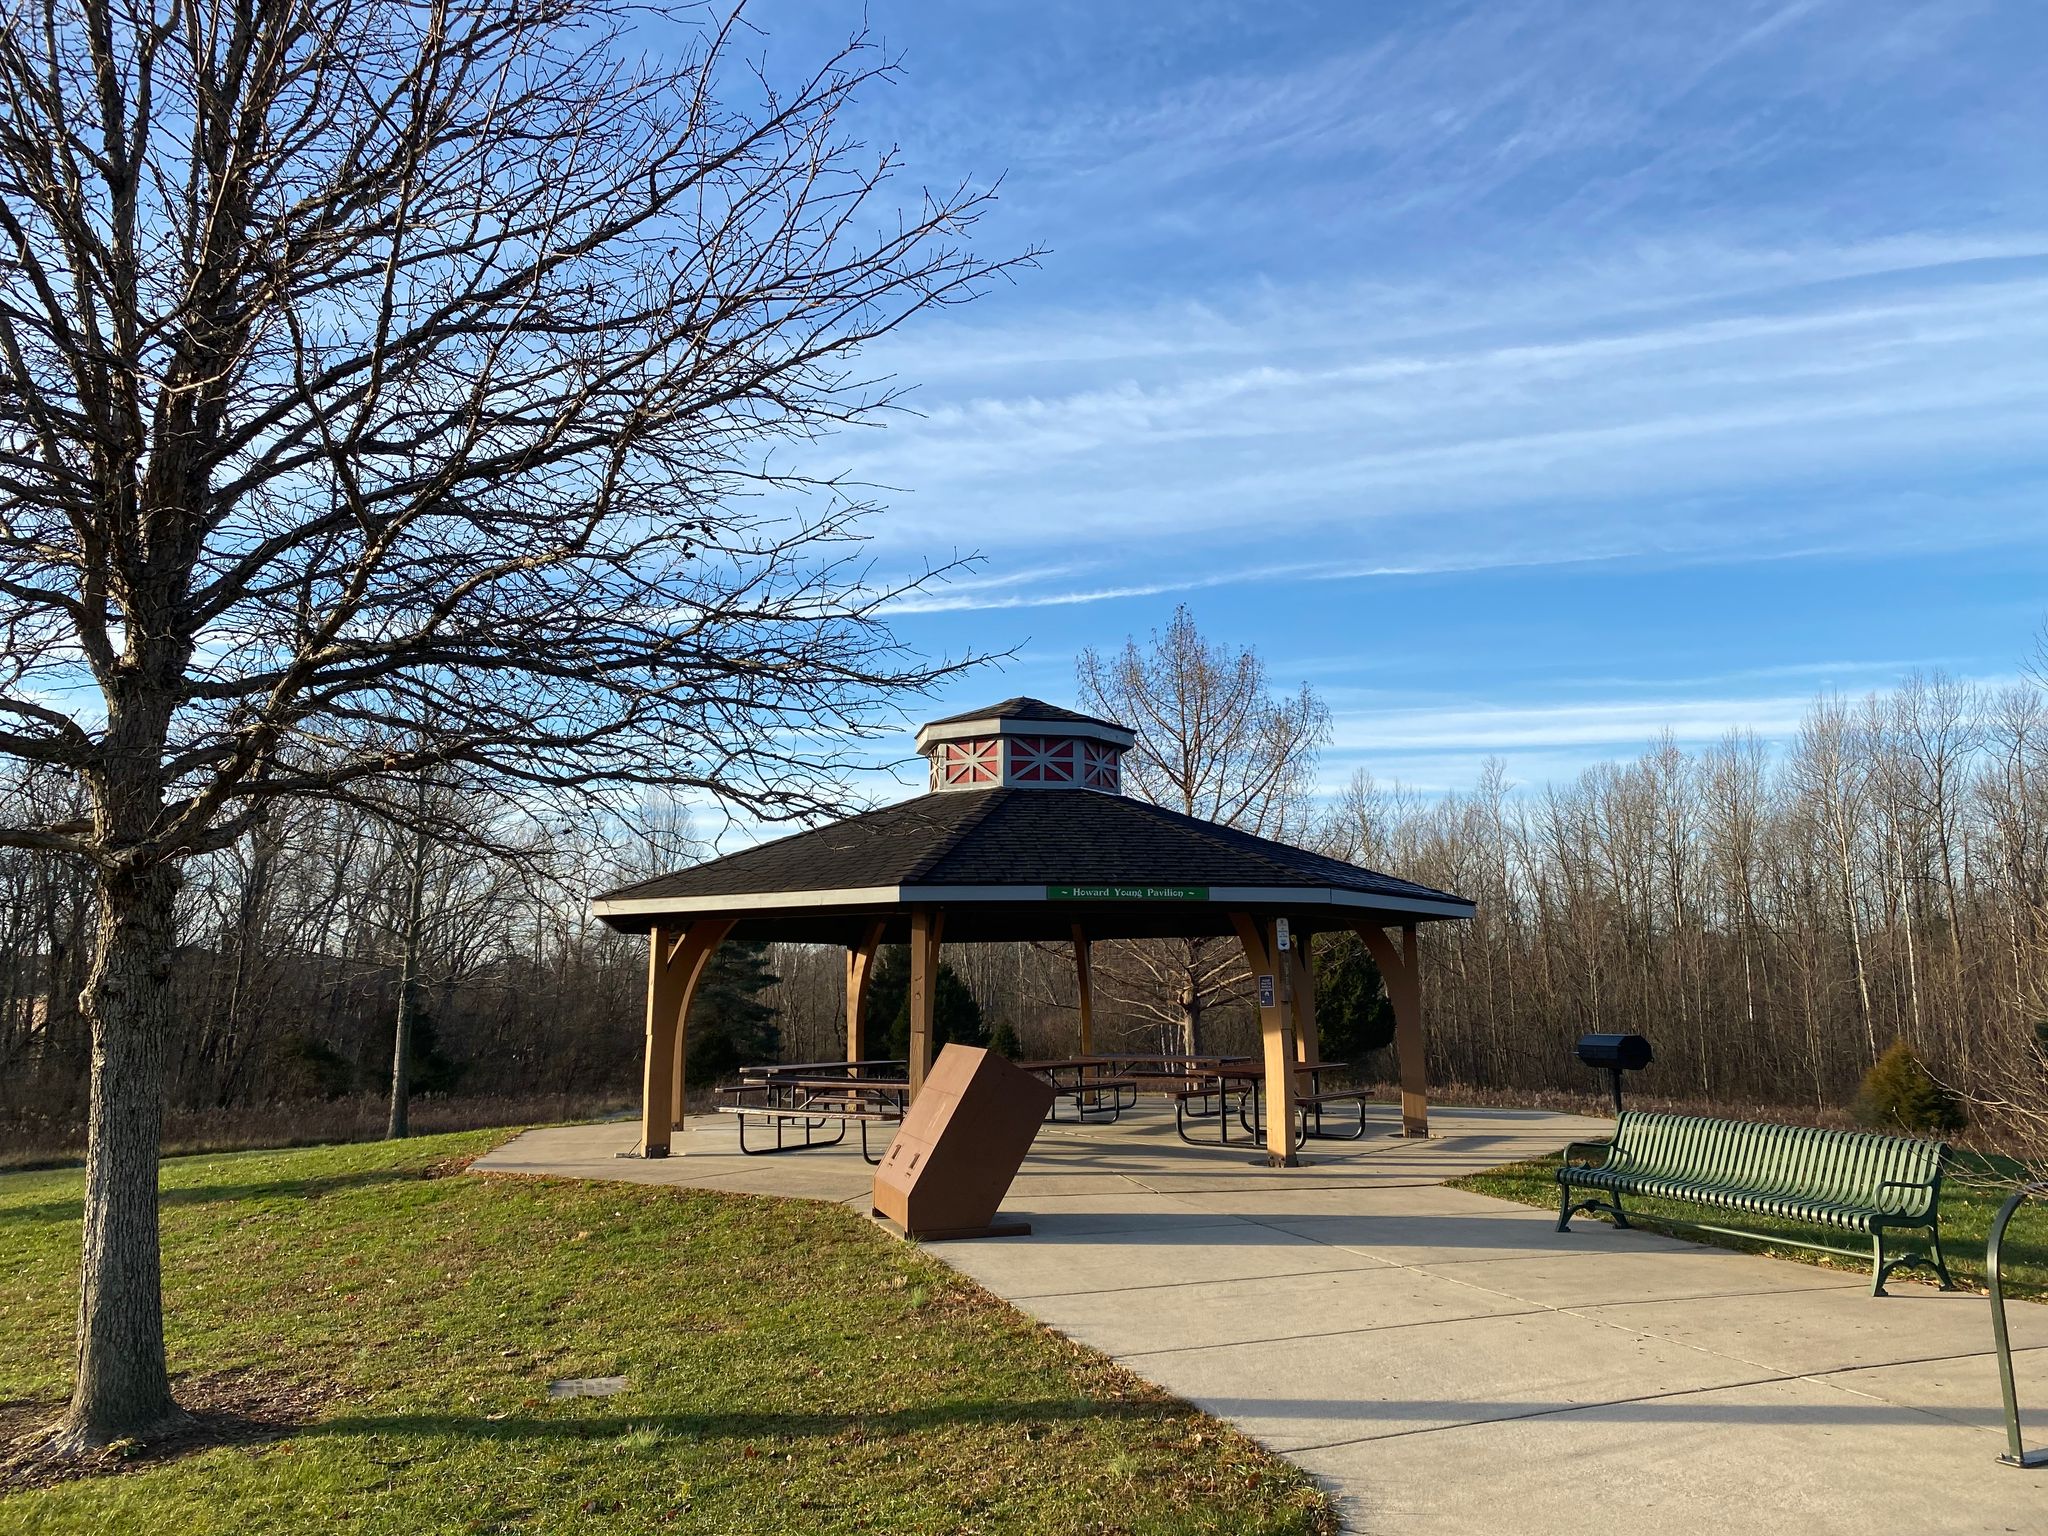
675,963
860,971
926,926
1276,1030
1087,990
1308,1042
1401,969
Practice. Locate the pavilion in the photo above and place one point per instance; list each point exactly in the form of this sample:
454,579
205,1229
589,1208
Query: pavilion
1026,836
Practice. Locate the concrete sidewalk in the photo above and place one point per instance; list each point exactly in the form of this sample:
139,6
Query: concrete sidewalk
1449,1363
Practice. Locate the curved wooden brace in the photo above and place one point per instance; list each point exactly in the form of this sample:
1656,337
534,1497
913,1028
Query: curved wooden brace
675,964
1401,969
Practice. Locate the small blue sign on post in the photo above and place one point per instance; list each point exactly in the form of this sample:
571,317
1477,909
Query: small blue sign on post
1265,991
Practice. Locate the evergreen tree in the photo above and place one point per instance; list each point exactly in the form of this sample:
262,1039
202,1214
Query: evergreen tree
956,1016
730,1026
888,989
1900,1094
1353,1016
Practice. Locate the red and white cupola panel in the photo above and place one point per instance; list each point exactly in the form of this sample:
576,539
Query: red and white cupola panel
1100,767
968,764
1025,744
1044,759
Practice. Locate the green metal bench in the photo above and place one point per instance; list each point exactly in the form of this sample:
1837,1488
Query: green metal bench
1859,1181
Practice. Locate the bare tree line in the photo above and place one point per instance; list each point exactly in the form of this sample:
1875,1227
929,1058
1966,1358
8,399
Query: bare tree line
293,953
1772,921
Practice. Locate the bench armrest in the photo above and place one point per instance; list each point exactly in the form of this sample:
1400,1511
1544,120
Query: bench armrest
1602,1147
1910,1183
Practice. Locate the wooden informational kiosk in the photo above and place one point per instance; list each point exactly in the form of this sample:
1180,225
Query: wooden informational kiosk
960,1146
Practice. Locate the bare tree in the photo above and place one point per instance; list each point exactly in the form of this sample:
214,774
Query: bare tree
395,386
1214,741
1830,765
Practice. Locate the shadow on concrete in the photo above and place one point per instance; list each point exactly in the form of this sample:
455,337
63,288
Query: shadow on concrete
1506,1233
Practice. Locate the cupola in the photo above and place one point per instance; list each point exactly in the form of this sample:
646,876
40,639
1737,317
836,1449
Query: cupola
1024,744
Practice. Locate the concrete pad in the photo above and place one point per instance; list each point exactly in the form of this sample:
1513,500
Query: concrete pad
1265,1310
1965,1390
706,1156
1343,1387
1812,1332
1782,1456
1029,1184
1397,1164
1358,1198
1686,1270
1197,1247
1434,1225
1128,1210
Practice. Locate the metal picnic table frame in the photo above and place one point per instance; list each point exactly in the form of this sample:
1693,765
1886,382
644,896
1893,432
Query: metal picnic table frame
811,1095
1247,1079
1108,1084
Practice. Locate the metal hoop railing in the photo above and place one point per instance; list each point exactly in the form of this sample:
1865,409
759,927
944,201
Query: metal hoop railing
2016,1454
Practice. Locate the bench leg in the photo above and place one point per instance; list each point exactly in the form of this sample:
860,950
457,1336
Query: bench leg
1882,1267
1567,1208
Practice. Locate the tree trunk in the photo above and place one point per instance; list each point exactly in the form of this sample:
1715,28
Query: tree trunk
408,994
1190,1001
123,1387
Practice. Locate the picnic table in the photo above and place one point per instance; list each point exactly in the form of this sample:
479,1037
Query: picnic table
886,1069
1208,1098
807,1097
1105,1086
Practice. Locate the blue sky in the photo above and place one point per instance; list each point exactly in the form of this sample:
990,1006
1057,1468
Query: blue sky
1526,377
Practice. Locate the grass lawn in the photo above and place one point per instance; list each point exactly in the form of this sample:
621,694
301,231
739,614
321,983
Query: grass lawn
1968,1204
789,1367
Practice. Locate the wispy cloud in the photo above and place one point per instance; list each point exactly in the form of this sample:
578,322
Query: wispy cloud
1301,427
1415,338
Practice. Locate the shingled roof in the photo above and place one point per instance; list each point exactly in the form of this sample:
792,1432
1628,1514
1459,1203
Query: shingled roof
1001,860
1027,709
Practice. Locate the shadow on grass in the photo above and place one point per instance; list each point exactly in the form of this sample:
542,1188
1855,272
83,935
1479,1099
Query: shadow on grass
1711,1406
742,1425
219,1194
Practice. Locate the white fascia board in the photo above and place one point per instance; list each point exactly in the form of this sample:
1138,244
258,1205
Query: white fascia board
753,901
1330,896
936,895
1004,725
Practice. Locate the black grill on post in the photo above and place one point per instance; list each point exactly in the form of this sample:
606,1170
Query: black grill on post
1616,1054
